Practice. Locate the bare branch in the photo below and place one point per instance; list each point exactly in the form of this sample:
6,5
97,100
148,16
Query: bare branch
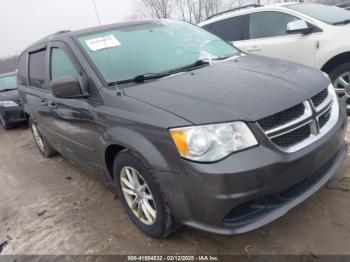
195,11
160,9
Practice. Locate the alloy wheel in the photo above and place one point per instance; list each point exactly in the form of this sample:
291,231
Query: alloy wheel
38,138
138,196
342,84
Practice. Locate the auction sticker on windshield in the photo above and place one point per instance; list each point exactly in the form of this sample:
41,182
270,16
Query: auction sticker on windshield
103,42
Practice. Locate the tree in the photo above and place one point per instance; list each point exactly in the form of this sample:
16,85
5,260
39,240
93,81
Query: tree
195,11
160,9
8,64
192,11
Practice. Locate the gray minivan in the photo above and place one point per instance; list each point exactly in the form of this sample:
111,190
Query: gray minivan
189,130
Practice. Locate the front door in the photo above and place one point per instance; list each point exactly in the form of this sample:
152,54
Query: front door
71,120
268,37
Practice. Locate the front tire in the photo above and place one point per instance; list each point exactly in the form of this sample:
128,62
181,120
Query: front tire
44,148
3,123
141,196
340,77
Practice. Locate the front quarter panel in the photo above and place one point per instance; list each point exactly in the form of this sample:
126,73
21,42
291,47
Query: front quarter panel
333,41
138,127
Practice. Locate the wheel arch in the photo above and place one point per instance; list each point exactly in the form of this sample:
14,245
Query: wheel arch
137,144
332,63
111,153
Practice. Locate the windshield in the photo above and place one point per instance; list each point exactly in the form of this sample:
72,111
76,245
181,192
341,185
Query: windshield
8,82
328,14
127,52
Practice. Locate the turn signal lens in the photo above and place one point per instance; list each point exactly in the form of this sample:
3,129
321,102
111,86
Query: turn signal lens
180,139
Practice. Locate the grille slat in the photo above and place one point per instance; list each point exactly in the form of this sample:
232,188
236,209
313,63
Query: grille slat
323,120
293,137
318,99
282,118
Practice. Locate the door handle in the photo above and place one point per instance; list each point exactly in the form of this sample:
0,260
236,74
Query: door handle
53,105
254,49
43,102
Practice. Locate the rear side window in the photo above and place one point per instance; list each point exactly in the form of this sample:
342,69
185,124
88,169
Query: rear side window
37,69
269,24
61,65
231,29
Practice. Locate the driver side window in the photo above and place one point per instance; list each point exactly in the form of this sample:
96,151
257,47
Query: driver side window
61,65
269,24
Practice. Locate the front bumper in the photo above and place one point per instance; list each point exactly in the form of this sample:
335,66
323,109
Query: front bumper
13,115
255,187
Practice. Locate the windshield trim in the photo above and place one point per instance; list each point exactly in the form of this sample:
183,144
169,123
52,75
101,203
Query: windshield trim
89,61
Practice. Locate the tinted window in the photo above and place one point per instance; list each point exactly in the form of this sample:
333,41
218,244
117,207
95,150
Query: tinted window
8,82
208,27
327,14
231,29
269,24
22,74
37,69
61,65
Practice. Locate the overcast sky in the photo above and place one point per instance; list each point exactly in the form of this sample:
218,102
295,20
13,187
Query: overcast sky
25,21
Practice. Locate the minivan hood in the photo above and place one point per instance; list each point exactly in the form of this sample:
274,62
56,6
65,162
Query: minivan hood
11,95
248,88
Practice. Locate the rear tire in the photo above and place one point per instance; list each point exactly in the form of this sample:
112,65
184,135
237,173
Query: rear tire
44,148
131,174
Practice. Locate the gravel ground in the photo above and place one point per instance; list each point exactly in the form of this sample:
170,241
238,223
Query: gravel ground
54,207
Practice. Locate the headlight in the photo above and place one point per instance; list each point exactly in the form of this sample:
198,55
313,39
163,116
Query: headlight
8,104
212,142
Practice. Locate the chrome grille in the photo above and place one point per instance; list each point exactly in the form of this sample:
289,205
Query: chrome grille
303,124
282,118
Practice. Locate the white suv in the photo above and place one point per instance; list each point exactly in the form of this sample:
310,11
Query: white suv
310,34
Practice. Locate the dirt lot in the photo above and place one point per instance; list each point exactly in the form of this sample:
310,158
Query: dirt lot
43,211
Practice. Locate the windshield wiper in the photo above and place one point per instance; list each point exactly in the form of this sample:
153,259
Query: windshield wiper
344,22
149,76
198,63
7,89
142,78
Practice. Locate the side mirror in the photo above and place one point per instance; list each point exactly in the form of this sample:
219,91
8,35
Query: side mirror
66,87
299,27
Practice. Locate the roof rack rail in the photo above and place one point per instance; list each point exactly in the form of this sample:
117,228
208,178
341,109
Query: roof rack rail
234,9
62,32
